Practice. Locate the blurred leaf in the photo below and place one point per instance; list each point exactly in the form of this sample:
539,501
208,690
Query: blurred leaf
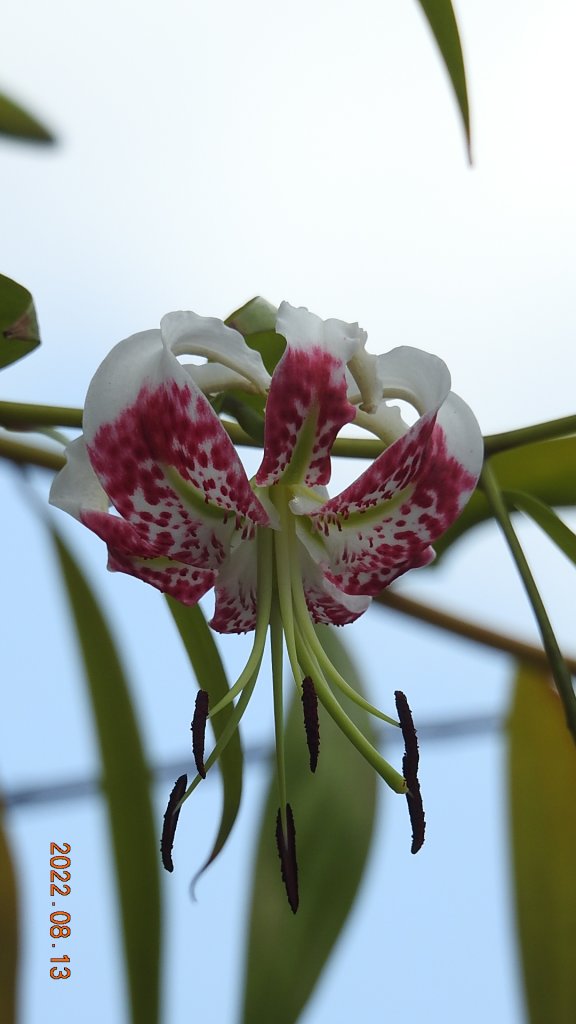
545,470
18,324
19,124
334,816
542,781
8,931
547,520
442,21
126,788
209,671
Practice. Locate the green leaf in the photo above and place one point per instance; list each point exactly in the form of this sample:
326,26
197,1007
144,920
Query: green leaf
254,316
209,671
18,324
126,782
542,783
334,815
545,470
19,124
442,21
547,520
256,322
8,931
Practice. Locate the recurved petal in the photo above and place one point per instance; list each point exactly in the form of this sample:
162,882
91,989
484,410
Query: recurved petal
307,404
326,602
76,486
163,457
384,523
190,334
186,583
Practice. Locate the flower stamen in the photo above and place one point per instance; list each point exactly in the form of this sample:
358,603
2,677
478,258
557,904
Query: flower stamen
286,843
410,763
171,820
311,723
199,731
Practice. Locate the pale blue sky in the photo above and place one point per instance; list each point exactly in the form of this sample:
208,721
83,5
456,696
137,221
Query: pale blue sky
209,153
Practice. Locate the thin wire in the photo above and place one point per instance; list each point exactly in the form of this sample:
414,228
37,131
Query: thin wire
79,789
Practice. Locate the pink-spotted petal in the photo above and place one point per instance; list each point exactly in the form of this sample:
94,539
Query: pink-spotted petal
236,592
186,583
384,523
307,404
326,602
129,553
163,457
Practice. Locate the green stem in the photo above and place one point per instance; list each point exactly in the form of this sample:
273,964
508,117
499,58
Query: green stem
264,591
30,455
558,666
26,415
468,630
374,758
277,656
547,431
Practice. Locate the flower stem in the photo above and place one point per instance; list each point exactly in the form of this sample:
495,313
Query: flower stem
264,591
558,666
277,656
26,415
30,455
546,431
466,629
389,774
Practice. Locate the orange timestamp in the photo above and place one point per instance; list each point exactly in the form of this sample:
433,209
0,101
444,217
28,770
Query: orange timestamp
59,919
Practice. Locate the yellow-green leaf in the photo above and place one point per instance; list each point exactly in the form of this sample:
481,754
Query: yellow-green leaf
18,324
442,21
18,123
334,814
126,780
547,520
542,782
209,671
8,932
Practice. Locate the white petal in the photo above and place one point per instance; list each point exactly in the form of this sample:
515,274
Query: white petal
304,330
415,376
364,381
76,487
188,333
213,378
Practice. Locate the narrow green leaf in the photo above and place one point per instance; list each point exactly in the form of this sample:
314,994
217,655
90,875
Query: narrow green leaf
547,520
18,324
542,784
9,944
442,21
126,788
210,675
19,124
545,470
334,813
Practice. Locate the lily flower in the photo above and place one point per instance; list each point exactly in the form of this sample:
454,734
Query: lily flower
279,552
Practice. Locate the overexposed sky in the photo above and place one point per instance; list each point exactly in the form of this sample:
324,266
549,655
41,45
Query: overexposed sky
311,153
